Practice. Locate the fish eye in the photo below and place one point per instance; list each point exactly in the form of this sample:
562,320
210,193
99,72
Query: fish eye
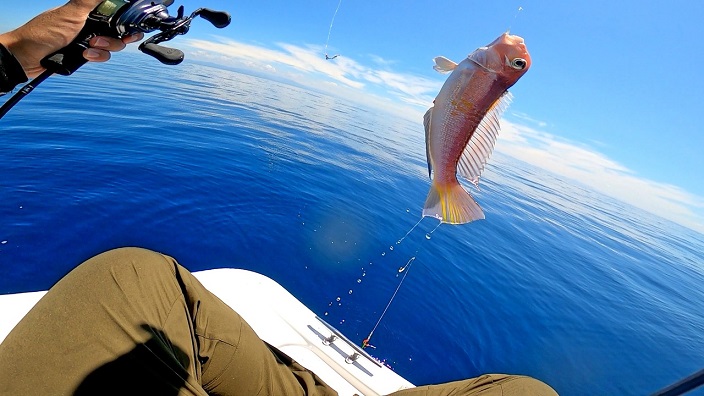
519,63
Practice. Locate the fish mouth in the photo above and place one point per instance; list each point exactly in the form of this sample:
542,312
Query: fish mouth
509,39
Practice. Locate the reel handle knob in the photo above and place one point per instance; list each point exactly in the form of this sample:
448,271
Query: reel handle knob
219,19
165,55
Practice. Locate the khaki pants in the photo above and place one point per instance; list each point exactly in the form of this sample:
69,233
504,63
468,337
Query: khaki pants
131,321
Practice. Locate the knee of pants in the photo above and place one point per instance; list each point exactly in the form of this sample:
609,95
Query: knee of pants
484,385
125,260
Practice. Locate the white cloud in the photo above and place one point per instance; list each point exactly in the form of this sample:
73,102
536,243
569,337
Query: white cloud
363,82
412,94
526,117
588,166
381,61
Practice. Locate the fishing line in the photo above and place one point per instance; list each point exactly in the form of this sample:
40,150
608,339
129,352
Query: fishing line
329,31
427,236
514,18
409,231
406,268
338,299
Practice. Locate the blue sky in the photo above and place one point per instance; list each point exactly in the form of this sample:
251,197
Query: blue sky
612,98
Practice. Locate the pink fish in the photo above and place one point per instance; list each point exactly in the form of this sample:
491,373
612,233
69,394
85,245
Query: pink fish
462,126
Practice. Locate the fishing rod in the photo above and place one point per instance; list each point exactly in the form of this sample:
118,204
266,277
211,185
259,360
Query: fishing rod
683,386
120,18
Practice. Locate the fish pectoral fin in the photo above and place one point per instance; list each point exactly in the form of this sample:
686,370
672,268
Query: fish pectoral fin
481,145
444,65
426,125
451,204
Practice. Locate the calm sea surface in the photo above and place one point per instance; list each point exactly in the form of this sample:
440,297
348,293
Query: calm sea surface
222,169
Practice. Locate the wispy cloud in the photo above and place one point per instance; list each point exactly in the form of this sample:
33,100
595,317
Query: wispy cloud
583,163
529,119
410,95
289,61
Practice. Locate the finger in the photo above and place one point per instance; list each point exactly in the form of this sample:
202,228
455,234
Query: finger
133,38
96,55
107,43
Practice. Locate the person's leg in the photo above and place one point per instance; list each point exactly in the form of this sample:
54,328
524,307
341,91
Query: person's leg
111,325
235,360
132,321
485,385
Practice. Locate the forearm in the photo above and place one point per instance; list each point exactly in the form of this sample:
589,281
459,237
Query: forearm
27,44
43,34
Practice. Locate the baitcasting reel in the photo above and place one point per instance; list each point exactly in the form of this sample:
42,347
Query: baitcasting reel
119,18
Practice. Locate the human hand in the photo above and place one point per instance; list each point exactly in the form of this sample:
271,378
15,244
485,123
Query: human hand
54,29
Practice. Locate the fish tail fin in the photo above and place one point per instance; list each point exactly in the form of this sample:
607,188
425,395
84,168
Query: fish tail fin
452,204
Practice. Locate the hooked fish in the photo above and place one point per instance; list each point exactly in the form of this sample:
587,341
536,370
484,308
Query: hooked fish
462,126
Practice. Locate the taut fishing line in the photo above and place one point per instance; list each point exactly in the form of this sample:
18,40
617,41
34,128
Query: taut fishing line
365,342
402,270
330,31
515,17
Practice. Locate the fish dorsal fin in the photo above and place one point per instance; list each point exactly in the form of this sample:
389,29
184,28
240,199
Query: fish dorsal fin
444,65
481,145
426,125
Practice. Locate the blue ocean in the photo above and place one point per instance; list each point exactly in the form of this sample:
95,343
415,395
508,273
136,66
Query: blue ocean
219,168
